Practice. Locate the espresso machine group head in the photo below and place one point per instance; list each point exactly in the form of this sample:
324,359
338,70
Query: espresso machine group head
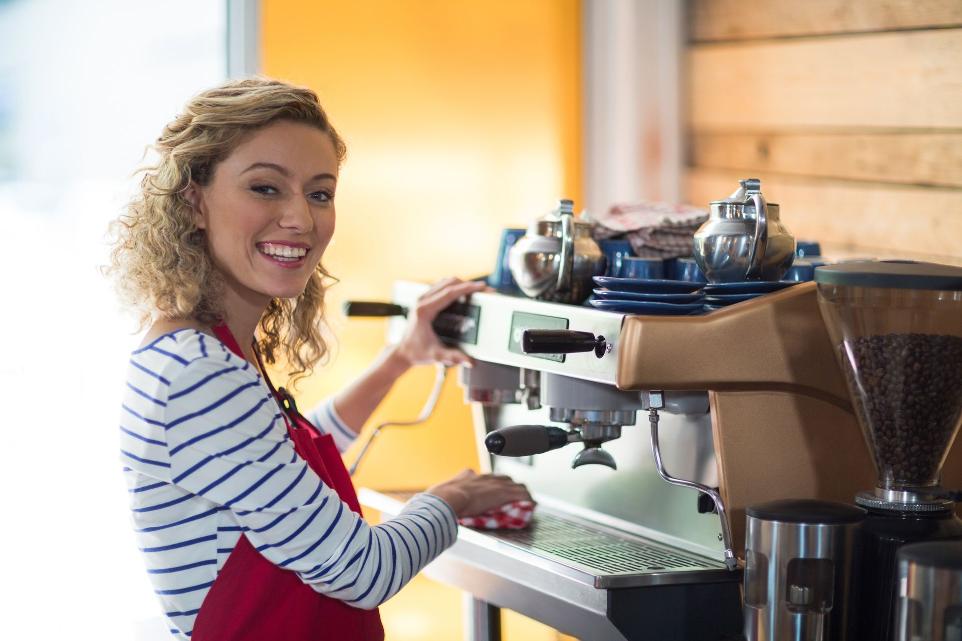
593,412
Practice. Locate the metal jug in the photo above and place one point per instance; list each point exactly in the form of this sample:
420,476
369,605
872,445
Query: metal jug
743,238
557,258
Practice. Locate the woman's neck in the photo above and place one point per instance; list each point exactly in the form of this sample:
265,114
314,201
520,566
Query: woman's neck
242,314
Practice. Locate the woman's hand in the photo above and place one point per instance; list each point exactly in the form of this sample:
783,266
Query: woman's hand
470,494
420,344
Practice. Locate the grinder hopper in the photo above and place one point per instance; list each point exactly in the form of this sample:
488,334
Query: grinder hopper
897,327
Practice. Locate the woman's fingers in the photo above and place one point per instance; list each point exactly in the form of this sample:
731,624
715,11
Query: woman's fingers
444,282
450,357
431,305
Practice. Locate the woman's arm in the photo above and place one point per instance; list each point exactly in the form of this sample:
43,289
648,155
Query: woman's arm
220,436
420,345
355,403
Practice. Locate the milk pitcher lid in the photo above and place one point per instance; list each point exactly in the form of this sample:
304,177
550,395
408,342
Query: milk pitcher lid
741,199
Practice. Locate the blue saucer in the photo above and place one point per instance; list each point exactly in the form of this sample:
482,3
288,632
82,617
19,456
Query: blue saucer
608,294
728,299
647,308
748,287
647,285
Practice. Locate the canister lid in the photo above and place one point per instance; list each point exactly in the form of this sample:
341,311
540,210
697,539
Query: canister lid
807,511
934,554
891,274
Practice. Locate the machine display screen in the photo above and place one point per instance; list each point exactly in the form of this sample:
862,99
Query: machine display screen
521,321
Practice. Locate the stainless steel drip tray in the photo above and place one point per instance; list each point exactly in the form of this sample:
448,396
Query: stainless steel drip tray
563,544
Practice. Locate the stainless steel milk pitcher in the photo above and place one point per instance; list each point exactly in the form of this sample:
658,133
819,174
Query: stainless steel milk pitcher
557,258
743,239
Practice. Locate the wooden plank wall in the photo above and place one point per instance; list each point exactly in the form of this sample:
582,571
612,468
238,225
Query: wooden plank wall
850,111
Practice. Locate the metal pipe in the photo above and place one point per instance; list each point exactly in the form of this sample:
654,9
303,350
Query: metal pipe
656,401
426,411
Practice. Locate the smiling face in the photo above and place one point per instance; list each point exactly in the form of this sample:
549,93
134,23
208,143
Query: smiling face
268,211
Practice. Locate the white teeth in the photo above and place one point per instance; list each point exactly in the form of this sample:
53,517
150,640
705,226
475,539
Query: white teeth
282,251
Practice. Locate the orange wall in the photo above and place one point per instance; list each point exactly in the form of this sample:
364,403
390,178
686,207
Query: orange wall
461,118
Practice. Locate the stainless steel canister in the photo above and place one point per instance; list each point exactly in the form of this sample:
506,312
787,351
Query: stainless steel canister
930,592
798,570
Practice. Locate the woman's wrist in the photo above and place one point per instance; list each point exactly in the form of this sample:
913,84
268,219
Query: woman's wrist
456,499
396,361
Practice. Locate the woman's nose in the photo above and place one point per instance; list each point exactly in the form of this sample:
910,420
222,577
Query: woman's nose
297,216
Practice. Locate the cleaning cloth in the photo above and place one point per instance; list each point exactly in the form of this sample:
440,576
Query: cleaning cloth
654,229
510,516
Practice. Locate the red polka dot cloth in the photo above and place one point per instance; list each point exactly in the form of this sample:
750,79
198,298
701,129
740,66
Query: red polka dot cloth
510,516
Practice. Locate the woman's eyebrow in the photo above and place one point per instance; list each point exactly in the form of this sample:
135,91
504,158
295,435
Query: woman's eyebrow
284,172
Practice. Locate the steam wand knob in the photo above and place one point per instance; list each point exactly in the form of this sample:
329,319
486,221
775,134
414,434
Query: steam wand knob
562,341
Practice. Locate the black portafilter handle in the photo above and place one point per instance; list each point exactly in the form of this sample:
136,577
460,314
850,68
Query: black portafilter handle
562,341
525,440
373,309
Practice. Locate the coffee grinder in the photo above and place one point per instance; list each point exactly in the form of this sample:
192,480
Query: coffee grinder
897,329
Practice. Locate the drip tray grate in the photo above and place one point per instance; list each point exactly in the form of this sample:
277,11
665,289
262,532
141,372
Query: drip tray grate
597,550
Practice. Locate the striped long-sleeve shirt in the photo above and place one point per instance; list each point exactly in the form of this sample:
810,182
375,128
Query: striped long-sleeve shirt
207,457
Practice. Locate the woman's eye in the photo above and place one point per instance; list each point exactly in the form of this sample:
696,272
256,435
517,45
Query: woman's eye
264,190
322,196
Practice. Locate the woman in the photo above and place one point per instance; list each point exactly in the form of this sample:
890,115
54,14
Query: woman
246,517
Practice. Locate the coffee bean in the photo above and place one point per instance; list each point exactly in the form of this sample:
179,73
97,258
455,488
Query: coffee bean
908,395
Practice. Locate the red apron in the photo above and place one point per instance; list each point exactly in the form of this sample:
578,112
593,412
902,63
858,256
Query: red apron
254,600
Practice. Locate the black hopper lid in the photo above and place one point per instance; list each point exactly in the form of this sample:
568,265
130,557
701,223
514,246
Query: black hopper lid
891,274
807,511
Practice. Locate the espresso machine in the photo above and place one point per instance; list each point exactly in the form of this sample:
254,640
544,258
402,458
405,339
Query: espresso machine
897,332
644,440
738,407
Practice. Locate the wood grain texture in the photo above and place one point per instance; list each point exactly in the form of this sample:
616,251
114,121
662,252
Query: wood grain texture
907,79
906,158
744,19
871,220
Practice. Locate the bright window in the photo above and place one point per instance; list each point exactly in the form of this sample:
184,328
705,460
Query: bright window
84,87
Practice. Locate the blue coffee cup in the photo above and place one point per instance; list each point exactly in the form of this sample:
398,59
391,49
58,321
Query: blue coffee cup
687,269
801,271
616,251
501,278
643,268
807,248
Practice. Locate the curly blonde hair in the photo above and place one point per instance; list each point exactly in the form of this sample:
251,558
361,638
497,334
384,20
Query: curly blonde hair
160,262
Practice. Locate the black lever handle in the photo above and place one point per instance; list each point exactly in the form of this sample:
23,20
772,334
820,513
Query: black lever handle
373,308
562,341
525,440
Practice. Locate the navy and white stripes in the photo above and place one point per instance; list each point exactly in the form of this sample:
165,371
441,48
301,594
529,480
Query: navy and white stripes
207,458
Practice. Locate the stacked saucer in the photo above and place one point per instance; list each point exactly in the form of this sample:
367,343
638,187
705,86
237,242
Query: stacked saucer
720,295
649,296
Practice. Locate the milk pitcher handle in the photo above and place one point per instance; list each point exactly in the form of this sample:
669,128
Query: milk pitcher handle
756,255
567,257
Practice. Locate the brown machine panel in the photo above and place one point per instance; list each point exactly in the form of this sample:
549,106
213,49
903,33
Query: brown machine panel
782,421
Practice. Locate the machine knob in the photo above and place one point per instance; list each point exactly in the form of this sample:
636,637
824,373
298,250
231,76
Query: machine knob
525,440
562,341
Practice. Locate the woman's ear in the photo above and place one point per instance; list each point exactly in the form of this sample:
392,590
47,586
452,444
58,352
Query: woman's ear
195,198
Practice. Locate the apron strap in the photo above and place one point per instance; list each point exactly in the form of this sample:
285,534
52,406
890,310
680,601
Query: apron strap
291,413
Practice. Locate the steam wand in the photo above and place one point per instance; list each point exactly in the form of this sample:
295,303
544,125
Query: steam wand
656,401
426,411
